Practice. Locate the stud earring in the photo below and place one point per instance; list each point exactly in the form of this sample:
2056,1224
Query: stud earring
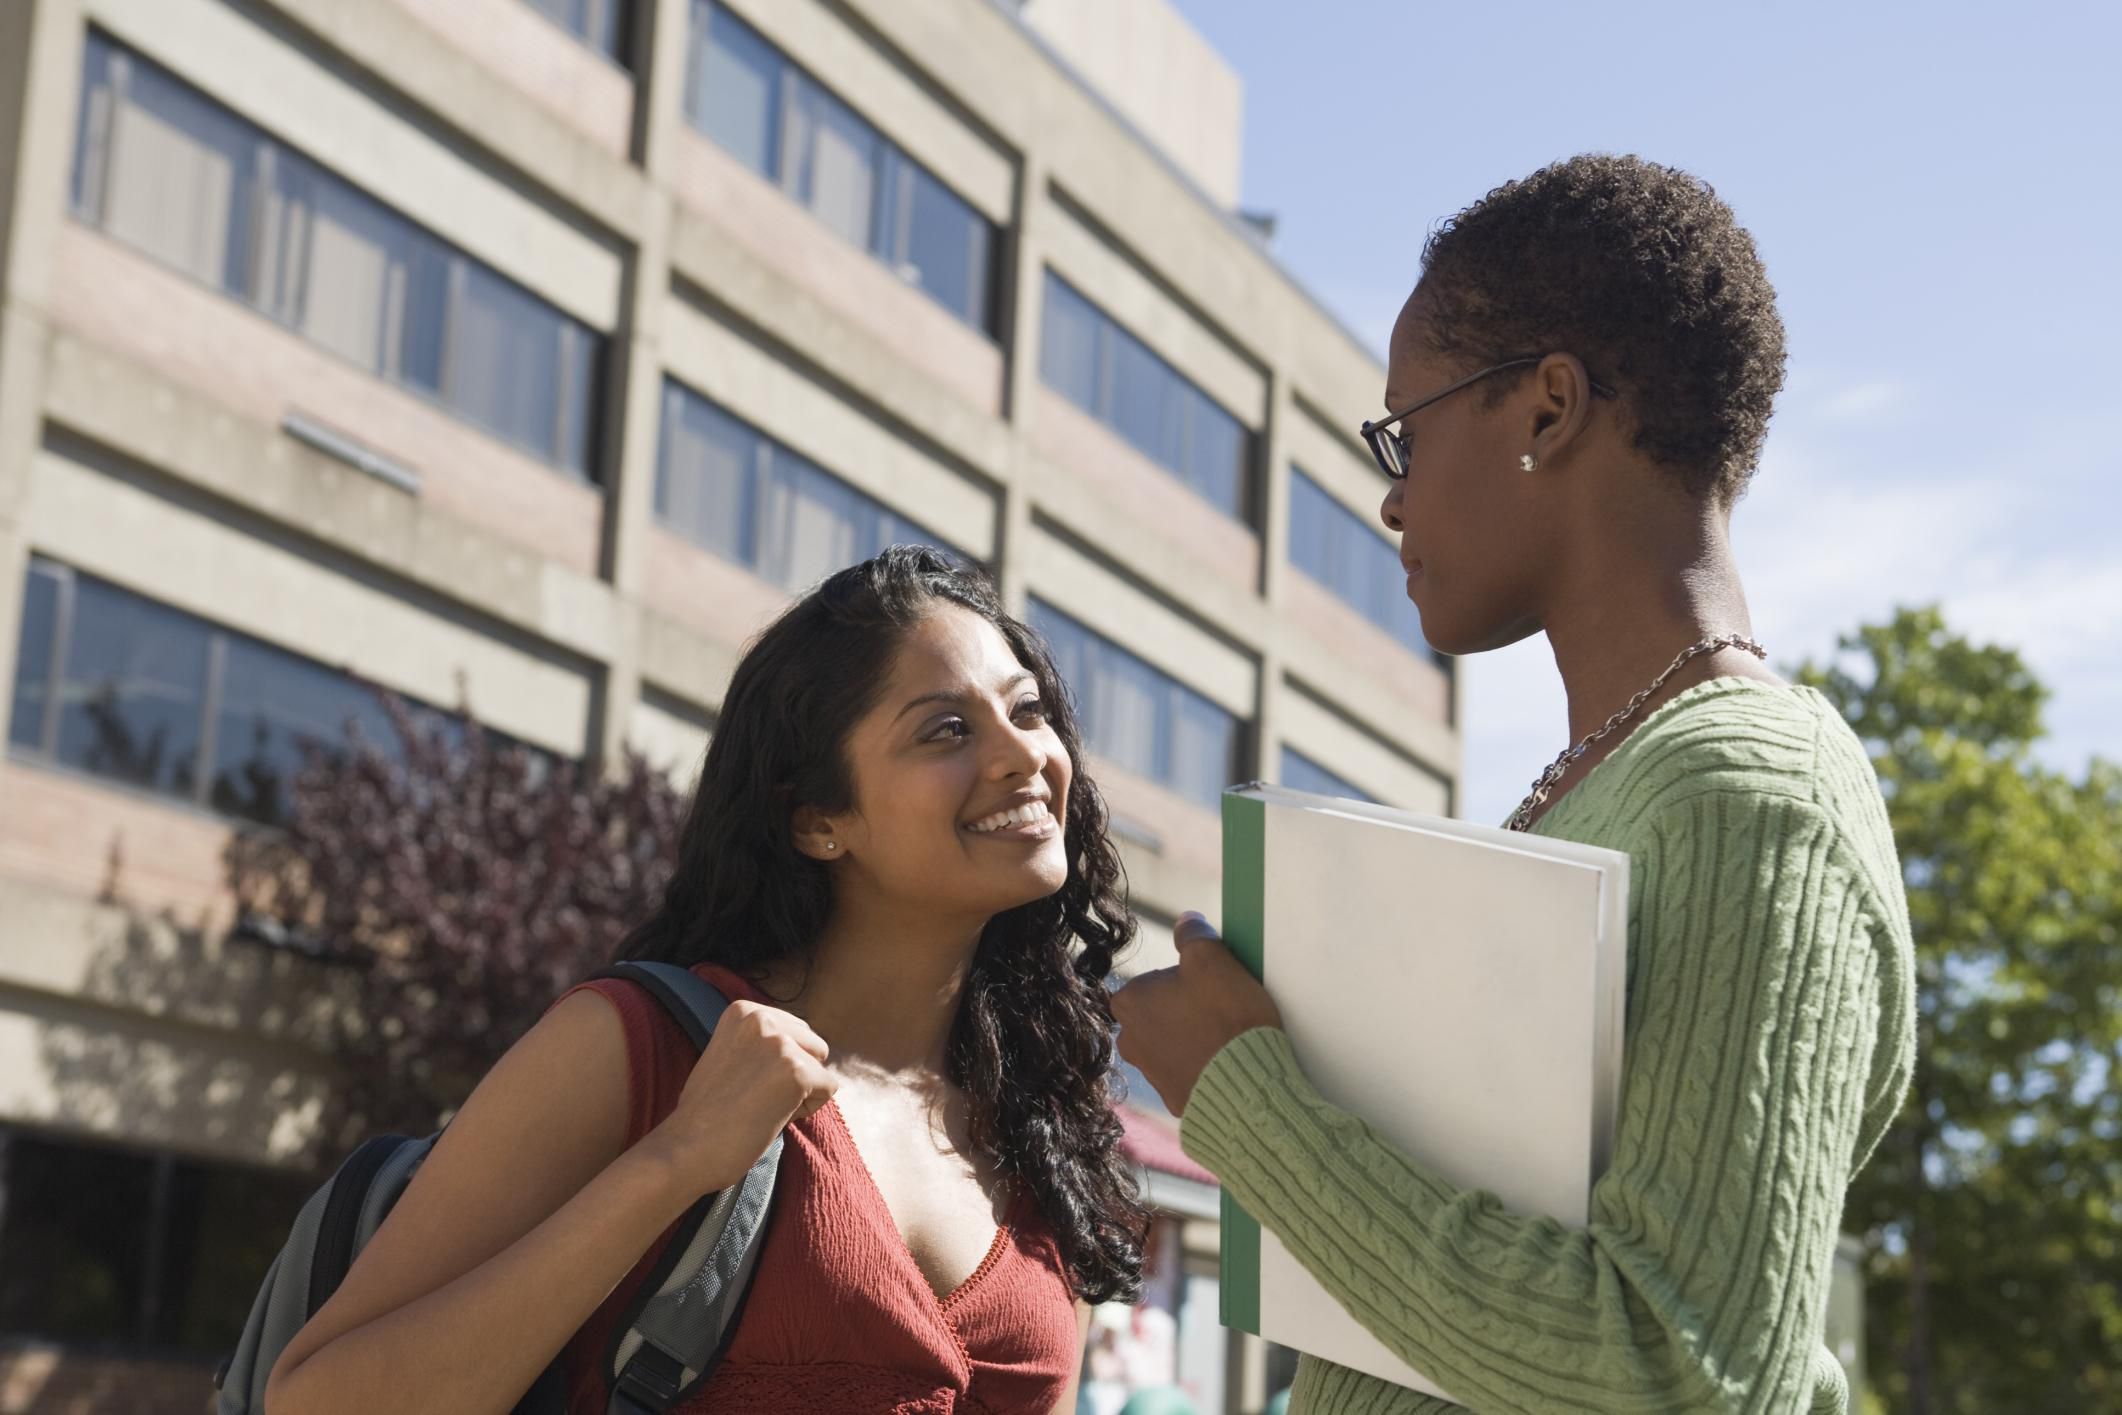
1529,462
831,845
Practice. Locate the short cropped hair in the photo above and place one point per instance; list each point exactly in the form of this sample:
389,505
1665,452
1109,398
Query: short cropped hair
1642,272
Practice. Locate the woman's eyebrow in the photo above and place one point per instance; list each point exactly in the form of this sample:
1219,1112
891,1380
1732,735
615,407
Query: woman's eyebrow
958,699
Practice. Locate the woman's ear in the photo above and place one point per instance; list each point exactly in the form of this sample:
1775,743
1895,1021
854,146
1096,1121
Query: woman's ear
814,833
1561,407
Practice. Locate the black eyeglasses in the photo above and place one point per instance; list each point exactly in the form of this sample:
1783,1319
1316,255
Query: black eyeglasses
1390,448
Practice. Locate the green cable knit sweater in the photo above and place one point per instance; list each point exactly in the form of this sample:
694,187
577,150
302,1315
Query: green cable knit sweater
1770,1036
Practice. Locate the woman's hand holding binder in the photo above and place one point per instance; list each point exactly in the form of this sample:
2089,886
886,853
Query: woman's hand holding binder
1173,1021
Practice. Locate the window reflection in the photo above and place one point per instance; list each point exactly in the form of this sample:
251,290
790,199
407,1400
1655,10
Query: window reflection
169,172
1139,718
1086,356
1332,545
1301,773
730,489
121,687
780,122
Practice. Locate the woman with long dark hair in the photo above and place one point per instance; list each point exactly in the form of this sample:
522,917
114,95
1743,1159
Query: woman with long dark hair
1577,394
890,850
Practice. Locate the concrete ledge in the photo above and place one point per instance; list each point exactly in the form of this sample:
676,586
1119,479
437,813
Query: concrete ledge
119,958
133,410
120,1025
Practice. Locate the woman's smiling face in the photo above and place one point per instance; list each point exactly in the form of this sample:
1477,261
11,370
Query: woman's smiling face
960,783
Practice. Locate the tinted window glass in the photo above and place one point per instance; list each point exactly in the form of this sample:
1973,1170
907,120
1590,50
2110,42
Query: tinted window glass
836,155
790,129
272,704
735,96
169,172
73,1240
1068,345
133,703
177,172
88,1230
1204,747
708,476
222,1228
1301,773
137,679
1332,545
1138,717
1110,374
600,24
34,656
729,489
1217,449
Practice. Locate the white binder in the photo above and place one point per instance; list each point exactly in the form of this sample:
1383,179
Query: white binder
1459,987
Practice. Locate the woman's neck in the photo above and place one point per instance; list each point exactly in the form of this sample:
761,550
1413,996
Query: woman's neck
883,988
1624,616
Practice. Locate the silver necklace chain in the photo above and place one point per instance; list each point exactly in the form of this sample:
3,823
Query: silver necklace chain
1522,818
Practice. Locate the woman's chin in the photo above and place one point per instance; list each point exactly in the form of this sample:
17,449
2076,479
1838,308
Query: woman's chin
1041,875
1456,636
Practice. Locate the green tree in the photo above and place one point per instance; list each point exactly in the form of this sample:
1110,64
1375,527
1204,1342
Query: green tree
1994,1208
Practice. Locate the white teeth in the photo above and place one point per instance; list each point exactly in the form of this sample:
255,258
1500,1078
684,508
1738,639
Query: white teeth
1020,815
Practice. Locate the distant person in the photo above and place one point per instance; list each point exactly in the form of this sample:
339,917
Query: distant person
1577,393
891,850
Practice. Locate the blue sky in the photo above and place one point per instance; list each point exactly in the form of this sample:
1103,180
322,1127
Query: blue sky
1937,190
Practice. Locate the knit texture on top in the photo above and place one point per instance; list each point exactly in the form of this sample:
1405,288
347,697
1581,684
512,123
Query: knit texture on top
1770,1036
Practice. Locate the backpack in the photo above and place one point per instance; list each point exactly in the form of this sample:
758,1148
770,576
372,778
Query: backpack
673,1332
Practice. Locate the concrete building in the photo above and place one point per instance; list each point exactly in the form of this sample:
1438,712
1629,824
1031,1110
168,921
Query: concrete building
530,354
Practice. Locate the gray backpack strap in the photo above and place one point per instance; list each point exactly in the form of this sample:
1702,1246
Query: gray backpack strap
281,1309
675,1332
333,1226
693,1002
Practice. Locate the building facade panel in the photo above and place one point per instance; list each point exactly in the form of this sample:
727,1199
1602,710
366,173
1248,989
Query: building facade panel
1127,485
77,834
124,303
567,77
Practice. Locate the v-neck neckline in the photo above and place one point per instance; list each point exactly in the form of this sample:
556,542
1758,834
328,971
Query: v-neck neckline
996,1246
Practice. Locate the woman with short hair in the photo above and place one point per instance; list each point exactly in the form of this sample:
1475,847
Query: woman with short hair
1577,394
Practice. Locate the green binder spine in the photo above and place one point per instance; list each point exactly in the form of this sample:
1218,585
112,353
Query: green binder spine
1244,915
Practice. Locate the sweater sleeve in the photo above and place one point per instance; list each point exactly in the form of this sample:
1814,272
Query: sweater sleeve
1701,1281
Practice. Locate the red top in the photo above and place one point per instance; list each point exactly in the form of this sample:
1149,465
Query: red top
840,1316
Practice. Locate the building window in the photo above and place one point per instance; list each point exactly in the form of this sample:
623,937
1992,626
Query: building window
783,124
1331,543
164,169
1140,718
728,488
600,24
1107,372
113,1247
1301,773
136,692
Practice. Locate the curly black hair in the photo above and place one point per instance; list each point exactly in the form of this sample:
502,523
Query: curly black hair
1032,1046
1642,272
